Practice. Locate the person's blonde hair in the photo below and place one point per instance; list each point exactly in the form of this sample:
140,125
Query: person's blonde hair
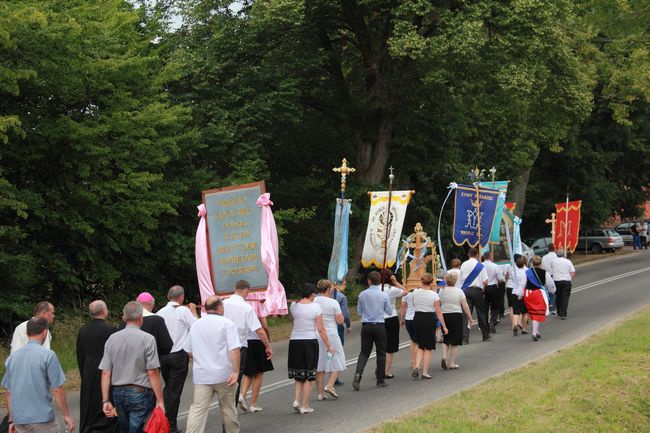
451,278
426,279
323,285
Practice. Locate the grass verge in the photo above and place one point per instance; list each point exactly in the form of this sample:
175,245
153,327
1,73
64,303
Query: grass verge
600,385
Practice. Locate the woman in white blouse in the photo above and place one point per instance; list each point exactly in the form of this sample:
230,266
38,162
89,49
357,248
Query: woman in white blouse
453,304
394,290
307,318
427,306
329,362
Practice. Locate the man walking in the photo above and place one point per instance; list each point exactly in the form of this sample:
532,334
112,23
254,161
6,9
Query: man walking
31,372
563,272
473,279
130,364
154,325
20,337
371,306
214,345
90,349
491,290
243,316
547,262
174,366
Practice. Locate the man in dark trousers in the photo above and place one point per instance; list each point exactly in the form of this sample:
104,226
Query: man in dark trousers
473,280
371,306
90,350
153,324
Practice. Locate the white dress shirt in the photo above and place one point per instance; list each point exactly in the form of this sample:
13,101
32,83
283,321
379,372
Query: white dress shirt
393,293
518,288
20,337
211,339
179,320
466,268
424,300
492,271
562,269
547,262
243,315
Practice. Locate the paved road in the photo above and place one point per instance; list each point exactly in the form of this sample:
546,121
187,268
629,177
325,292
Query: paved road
604,292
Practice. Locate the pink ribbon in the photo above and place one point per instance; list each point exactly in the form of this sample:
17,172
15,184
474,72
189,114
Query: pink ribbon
206,289
276,298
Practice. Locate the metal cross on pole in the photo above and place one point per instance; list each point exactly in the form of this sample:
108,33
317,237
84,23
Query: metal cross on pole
552,222
344,170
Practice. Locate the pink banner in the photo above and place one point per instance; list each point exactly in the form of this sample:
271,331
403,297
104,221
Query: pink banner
276,298
202,259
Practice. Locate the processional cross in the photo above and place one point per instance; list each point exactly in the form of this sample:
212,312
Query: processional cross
552,222
344,170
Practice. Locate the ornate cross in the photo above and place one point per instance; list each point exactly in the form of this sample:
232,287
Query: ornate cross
552,221
344,170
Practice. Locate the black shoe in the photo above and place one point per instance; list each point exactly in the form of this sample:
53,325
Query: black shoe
382,384
339,383
493,329
515,331
486,337
562,317
535,337
356,382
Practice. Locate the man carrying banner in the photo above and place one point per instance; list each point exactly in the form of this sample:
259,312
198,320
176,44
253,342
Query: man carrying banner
491,290
563,272
473,280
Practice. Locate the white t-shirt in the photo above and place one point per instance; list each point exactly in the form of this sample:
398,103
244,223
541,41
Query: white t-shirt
450,299
562,269
518,290
424,300
547,262
210,341
393,293
330,308
466,268
242,314
304,320
492,271
410,308
179,319
20,337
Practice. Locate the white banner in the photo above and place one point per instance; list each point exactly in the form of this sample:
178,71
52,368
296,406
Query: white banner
373,249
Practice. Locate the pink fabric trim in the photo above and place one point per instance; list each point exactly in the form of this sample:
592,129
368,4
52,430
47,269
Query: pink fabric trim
202,259
259,307
276,298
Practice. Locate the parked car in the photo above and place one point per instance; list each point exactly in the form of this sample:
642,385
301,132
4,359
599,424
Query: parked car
599,240
623,229
539,245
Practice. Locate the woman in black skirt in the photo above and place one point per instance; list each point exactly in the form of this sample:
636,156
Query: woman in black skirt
394,290
454,304
427,307
307,318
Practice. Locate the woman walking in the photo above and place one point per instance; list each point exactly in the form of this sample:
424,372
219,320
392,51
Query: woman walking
394,290
406,313
535,295
307,318
427,307
328,362
519,311
453,305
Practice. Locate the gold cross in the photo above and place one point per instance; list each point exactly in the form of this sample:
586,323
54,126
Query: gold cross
552,221
344,170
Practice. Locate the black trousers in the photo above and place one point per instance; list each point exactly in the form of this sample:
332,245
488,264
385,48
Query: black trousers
373,333
501,294
492,303
476,300
173,367
563,292
242,365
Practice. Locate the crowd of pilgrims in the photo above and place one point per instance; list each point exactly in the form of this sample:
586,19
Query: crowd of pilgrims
132,378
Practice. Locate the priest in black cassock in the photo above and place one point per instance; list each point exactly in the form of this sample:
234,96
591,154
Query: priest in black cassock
90,350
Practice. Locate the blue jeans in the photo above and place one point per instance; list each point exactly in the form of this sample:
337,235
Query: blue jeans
341,330
551,301
132,407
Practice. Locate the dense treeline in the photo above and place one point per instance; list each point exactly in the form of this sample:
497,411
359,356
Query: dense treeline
111,123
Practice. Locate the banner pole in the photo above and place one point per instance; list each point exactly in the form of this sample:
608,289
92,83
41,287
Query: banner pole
566,222
478,213
391,177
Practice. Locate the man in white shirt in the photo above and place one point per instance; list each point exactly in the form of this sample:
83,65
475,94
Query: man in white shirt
20,338
214,346
243,315
174,366
563,272
473,288
491,290
547,262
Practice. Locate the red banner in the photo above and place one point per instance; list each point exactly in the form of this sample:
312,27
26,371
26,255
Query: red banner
511,206
567,224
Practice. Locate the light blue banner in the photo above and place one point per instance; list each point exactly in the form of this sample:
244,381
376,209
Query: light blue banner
338,267
502,187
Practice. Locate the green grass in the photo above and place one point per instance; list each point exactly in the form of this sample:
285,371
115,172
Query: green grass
600,385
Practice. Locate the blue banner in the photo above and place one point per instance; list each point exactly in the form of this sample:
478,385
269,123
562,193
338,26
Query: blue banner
467,223
502,187
338,267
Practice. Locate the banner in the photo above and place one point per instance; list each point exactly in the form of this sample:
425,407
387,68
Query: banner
467,223
511,206
509,231
379,222
502,187
567,225
338,267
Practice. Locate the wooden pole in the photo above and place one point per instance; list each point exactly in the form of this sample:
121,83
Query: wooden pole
391,177
566,222
478,214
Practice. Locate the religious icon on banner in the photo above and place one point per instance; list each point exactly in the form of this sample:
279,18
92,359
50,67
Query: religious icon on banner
567,225
384,229
474,216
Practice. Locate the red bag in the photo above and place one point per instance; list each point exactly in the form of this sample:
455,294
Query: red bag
157,422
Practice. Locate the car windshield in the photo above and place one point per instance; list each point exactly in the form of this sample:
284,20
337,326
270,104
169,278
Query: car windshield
611,233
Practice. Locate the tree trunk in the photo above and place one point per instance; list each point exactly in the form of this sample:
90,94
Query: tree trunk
518,191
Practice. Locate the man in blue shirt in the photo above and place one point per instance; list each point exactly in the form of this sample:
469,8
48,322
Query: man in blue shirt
371,306
30,373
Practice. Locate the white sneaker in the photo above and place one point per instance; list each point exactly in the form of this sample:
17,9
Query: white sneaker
296,406
242,404
255,409
322,397
304,410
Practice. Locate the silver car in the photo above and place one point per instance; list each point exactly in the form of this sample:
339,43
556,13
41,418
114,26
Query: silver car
599,240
